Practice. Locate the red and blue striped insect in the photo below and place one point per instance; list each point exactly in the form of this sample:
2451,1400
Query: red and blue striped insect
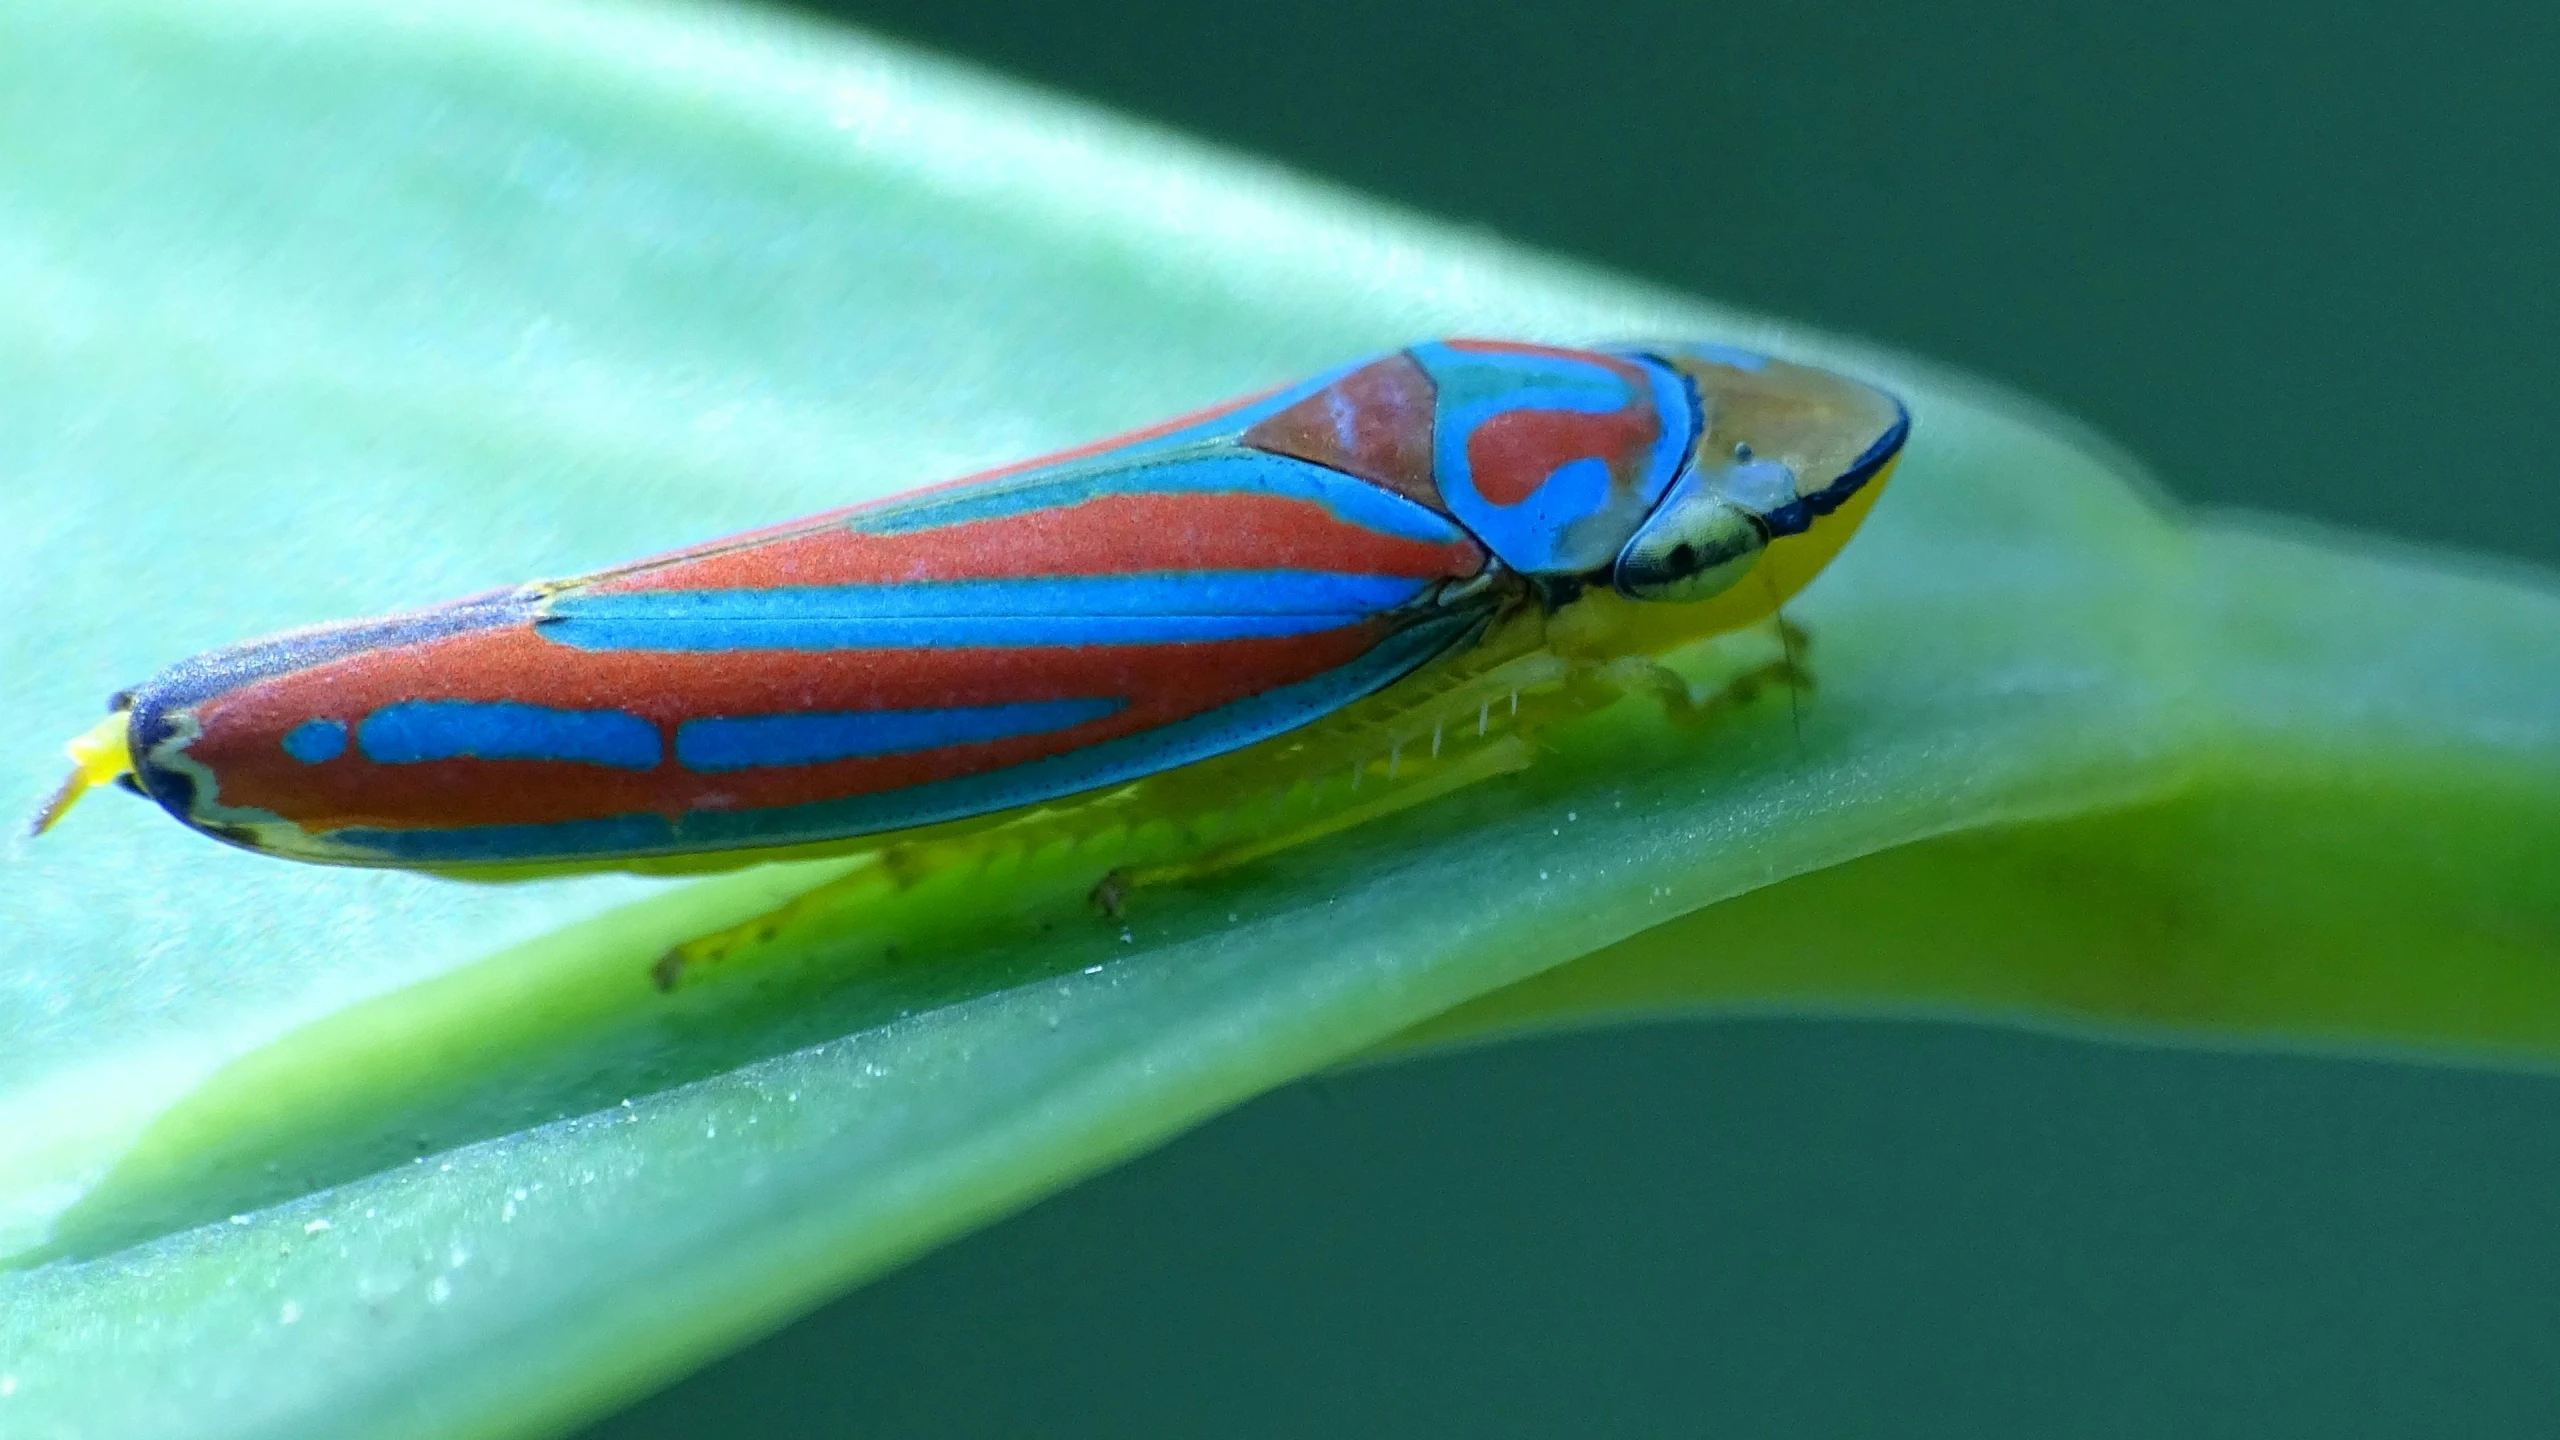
1367,542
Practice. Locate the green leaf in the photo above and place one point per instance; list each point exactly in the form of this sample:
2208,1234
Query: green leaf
312,310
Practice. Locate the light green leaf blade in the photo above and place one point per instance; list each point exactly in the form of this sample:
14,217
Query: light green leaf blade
311,312
2360,858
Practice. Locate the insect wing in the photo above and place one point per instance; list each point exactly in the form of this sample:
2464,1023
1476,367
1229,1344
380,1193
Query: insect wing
951,653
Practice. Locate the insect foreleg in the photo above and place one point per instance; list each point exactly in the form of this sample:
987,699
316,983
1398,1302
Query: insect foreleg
1689,703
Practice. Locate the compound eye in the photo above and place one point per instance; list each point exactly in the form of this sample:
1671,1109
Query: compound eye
1696,546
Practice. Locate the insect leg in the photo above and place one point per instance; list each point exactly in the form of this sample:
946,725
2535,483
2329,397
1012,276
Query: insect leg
891,870
865,883
1503,757
1685,704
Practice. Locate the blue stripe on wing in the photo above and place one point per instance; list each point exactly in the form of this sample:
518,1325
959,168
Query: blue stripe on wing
1215,469
743,742
1157,608
413,731
1226,424
1112,762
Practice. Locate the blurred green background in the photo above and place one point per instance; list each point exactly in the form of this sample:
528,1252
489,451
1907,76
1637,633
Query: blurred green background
2297,258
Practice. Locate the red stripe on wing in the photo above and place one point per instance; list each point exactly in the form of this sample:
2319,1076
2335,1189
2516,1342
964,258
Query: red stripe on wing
835,519
1107,535
243,730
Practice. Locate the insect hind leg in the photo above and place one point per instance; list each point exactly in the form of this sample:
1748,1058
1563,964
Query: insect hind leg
889,872
1506,755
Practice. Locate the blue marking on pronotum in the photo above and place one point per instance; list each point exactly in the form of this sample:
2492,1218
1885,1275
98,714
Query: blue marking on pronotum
1111,762
1572,492
1213,468
1141,609
413,731
313,741
1574,522
744,742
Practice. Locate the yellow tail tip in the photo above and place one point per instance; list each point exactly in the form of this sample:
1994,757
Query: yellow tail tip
97,758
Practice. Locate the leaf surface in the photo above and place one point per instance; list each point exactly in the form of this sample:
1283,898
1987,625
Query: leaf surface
309,310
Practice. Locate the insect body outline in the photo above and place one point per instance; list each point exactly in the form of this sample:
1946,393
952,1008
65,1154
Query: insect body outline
1215,598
